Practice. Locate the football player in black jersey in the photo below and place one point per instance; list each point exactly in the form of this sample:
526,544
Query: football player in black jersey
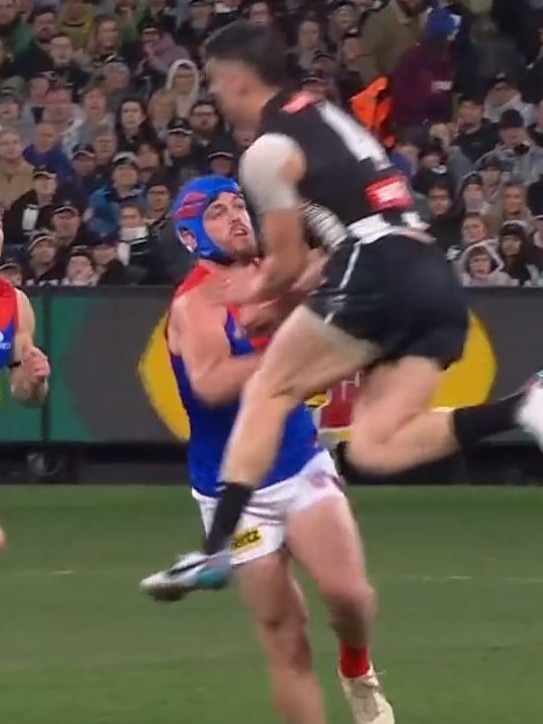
389,303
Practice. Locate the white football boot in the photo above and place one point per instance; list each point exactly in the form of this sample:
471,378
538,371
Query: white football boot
367,700
194,571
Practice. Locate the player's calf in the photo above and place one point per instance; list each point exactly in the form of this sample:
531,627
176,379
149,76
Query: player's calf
278,608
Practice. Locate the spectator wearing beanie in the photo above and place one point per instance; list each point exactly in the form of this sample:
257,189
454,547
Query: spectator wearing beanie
80,269
11,269
43,267
342,16
104,212
457,164
68,227
472,195
221,158
422,81
108,267
492,172
182,164
33,209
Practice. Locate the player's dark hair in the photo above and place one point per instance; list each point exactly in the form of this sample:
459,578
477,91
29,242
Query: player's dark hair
256,47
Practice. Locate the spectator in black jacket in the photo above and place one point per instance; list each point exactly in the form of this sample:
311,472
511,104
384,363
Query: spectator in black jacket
32,210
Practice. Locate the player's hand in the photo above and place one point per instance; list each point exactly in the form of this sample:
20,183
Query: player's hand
35,365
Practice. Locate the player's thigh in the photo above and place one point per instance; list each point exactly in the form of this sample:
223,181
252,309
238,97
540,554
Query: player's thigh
393,394
322,534
2,539
307,355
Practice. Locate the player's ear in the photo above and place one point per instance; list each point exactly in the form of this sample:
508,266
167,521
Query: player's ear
188,239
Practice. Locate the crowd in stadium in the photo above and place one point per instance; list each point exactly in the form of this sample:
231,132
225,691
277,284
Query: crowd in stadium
104,115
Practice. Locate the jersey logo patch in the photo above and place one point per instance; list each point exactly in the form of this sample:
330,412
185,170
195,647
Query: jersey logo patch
299,101
389,193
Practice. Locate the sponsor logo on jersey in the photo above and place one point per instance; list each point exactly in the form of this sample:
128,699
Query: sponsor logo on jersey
389,193
4,346
250,538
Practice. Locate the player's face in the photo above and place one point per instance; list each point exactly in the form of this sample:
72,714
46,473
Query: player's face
228,84
228,224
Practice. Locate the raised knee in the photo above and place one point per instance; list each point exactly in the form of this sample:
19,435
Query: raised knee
367,455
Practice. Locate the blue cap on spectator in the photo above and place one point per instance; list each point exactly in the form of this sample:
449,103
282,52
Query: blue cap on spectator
83,149
441,24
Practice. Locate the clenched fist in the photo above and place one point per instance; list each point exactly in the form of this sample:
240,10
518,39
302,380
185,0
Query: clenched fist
35,365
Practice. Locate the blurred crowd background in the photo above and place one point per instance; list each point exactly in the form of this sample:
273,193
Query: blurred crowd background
104,115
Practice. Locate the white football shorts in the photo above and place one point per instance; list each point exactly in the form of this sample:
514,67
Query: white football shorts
261,530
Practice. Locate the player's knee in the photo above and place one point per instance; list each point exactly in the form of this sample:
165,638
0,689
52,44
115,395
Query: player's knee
367,455
284,636
2,540
349,599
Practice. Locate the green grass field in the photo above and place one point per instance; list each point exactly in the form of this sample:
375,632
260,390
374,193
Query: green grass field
460,573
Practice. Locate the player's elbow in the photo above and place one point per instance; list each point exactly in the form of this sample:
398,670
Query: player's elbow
211,390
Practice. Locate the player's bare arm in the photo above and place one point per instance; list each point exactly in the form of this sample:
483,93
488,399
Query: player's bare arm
30,370
270,171
196,333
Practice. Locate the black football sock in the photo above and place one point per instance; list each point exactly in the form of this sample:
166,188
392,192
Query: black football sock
472,424
227,514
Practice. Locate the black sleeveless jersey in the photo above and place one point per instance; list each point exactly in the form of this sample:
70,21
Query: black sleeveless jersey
350,188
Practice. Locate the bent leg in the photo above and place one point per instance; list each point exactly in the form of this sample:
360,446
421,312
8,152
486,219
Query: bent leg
393,426
306,356
276,602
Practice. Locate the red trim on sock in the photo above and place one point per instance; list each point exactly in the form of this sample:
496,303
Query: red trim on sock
354,662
